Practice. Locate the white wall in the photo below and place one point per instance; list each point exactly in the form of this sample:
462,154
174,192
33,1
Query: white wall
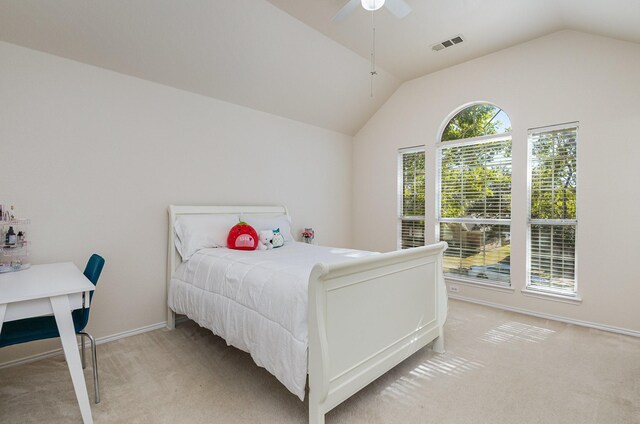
95,157
567,76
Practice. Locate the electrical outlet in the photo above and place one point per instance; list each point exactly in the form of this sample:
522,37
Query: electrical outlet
454,289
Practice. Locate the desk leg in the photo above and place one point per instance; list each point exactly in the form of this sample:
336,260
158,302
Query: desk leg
3,309
62,311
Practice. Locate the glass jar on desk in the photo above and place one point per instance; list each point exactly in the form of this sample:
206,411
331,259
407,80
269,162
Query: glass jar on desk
14,245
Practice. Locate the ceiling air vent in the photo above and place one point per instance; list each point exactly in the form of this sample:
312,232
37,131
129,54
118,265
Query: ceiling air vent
447,43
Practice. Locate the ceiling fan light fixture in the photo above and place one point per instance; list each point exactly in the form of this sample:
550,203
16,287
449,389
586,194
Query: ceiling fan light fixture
372,4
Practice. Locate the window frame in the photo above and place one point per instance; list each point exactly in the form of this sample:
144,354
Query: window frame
550,291
440,145
400,191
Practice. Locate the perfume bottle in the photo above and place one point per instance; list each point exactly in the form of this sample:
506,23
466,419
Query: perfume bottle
11,238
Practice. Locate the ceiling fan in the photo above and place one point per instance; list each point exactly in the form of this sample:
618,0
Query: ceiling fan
398,8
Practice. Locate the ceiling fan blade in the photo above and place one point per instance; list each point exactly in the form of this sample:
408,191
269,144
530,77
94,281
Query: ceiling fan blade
346,9
398,8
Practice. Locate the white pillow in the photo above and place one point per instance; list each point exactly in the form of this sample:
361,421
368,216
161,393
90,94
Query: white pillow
195,232
260,223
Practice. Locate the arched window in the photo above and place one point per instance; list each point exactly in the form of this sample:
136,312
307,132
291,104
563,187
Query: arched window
474,194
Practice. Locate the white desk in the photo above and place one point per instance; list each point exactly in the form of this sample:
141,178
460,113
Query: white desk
50,289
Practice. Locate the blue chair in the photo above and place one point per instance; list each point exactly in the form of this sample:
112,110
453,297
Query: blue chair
45,327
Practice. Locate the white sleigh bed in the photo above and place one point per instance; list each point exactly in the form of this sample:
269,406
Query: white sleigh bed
365,315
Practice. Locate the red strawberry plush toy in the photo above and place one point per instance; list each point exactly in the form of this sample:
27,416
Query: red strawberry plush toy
242,237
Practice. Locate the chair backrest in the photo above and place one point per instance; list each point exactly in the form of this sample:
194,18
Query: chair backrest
92,271
94,268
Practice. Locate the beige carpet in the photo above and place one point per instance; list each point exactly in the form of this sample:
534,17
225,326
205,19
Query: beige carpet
500,367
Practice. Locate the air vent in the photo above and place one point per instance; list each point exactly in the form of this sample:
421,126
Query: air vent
447,43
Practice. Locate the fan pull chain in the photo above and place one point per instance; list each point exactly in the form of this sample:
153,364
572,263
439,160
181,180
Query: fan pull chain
373,50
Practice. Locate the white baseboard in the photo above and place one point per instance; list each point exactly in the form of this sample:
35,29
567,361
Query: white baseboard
101,340
612,329
129,333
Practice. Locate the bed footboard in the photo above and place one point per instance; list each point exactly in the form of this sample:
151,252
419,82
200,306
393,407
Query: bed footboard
366,316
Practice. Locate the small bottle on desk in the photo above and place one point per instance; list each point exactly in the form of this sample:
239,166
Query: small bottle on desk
10,238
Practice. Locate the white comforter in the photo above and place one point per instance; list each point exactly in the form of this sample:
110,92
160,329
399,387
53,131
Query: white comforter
256,300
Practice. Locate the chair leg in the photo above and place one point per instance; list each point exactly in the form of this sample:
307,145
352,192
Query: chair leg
95,364
82,352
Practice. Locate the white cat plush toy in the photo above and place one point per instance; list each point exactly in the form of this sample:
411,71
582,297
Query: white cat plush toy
265,240
278,238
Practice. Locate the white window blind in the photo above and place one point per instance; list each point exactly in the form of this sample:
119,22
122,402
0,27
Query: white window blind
411,193
476,180
475,207
552,204
411,233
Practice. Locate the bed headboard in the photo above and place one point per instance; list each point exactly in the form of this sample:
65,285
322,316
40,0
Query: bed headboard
173,257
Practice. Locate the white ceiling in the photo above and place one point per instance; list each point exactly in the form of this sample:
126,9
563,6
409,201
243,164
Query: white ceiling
403,46
254,53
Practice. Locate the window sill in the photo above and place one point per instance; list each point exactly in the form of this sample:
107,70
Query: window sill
573,300
479,284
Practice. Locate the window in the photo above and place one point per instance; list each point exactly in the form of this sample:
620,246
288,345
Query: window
411,197
551,261
474,194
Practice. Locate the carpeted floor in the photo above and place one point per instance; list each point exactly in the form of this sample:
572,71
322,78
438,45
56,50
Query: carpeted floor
500,367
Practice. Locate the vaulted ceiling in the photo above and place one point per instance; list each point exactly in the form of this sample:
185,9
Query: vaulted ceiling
403,46
287,57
